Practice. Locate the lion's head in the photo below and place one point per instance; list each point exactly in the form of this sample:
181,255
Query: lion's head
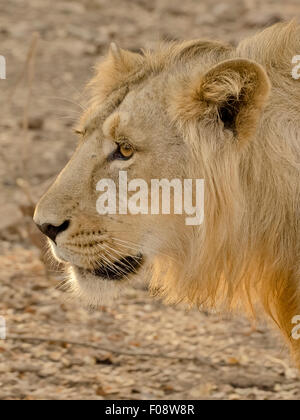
191,110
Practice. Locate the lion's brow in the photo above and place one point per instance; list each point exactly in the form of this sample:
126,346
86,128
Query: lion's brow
101,112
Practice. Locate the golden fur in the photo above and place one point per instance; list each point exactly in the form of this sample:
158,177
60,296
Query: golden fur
197,109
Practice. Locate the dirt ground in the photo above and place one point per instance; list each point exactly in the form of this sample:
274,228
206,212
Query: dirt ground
136,348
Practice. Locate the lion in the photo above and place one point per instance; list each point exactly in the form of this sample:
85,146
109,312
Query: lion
190,110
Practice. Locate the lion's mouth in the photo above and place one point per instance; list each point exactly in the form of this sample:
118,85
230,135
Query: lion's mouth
118,270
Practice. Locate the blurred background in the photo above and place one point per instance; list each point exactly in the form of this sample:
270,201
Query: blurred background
136,348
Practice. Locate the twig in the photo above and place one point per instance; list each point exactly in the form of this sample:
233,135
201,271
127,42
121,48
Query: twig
228,346
197,360
25,187
28,74
30,54
30,64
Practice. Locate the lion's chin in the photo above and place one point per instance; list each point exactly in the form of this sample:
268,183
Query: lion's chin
103,285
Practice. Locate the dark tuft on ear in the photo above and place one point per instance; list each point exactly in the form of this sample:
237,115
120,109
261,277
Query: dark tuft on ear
228,113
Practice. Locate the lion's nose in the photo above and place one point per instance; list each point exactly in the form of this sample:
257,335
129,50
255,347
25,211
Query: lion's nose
53,231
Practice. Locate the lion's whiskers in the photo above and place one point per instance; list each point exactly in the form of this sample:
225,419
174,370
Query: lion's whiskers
123,256
116,270
134,246
70,101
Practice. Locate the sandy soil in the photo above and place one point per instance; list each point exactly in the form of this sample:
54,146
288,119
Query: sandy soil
137,348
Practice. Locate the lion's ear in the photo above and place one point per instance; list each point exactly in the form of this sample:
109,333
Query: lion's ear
233,92
237,90
124,60
114,71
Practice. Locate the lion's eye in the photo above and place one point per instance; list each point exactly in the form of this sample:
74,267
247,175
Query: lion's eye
126,151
